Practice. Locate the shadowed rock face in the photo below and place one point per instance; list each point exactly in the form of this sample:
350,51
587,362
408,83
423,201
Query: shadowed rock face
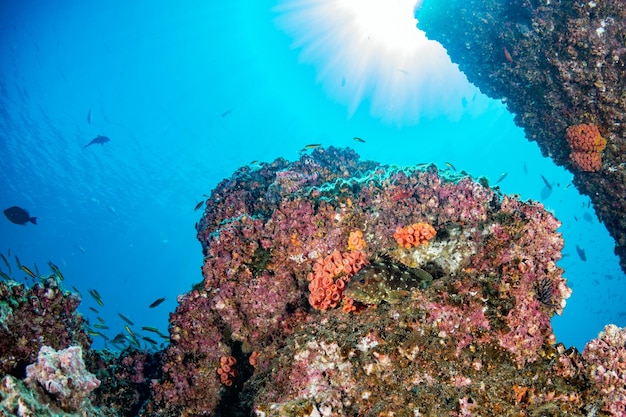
555,64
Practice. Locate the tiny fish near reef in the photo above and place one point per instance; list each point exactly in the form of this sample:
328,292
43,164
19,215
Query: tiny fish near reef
385,280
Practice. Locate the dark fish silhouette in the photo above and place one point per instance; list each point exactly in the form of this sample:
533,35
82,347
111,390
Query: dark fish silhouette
156,302
18,215
98,139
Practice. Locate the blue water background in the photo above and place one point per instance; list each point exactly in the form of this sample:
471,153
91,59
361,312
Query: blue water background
190,91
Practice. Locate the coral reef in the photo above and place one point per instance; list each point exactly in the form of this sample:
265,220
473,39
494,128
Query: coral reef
330,276
190,381
227,371
30,318
62,374
606,357
57,384
263,333
414,235
275,267
587,145
556,65
17,399
126,379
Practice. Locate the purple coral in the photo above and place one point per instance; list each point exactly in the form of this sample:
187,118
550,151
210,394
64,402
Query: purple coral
52,320
605,357
190,380
63,375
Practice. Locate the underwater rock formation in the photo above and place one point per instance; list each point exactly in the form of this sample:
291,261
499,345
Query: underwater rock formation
456,346
456,325
556,64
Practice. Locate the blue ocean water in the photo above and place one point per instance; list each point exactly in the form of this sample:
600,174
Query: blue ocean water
189,92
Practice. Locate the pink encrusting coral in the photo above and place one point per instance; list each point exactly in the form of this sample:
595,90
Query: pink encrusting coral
189,364
63,375
606,365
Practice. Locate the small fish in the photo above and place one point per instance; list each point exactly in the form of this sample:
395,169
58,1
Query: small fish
28,271
37,270
95,310
545,193
402,195
313,146
112,210
119,338
227,112
89,116
155,330
567,186
507,54
151,329
100,319
19,215
101,326
255,162
156,302
359,139
55,270
200,204
449,165
503,176
93,333
126,319
17,261
98,140
96,296
581,253
385,280
135,342
421,164
587,217
6,263
149,340
80,248
5,276
546,182
130,332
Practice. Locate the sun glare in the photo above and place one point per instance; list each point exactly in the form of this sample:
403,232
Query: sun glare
370,52
389,23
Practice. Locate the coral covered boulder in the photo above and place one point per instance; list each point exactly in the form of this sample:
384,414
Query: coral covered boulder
452,287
